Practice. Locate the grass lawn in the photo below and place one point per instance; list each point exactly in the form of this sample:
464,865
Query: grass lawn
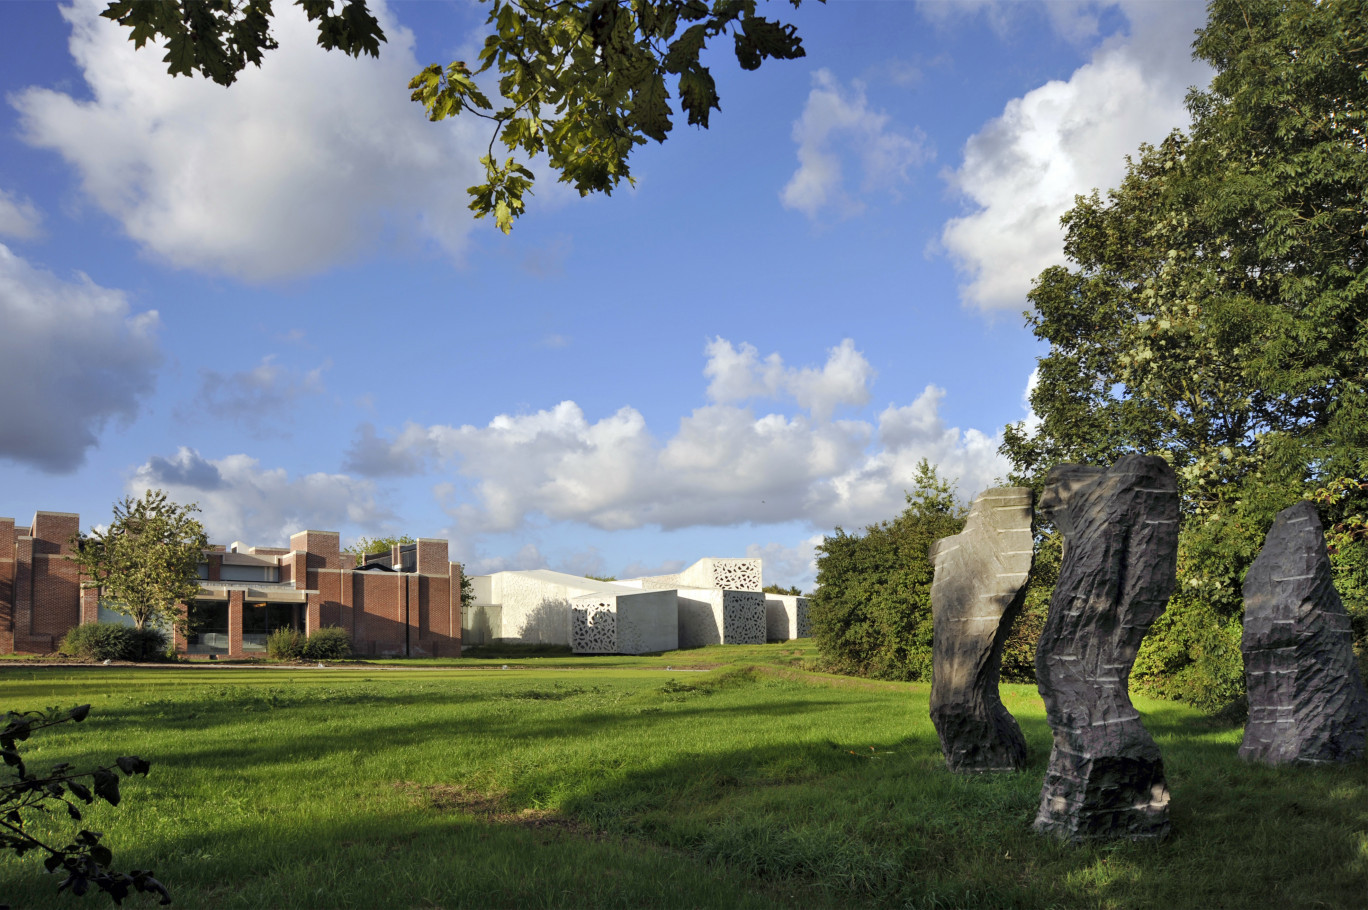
614,782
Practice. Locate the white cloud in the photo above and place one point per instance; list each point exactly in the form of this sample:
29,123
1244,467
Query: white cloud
240,500
837,127
72,358
788,566
737,374
1077,21
257,399
312,159
725,465
1022,171
18,217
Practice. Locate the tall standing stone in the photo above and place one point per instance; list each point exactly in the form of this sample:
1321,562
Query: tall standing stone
979,585
1307,701
1120,525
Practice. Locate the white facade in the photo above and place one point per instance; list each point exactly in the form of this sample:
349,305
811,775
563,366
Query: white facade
637,622
786,617
712,616
714,601
728,574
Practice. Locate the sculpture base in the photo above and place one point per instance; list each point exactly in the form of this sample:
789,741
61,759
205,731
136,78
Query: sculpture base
1104,798
973,743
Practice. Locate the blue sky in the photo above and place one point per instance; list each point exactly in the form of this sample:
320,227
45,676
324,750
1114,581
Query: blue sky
272,301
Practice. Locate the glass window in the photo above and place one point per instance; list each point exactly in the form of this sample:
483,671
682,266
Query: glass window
261,618
208,627
249,573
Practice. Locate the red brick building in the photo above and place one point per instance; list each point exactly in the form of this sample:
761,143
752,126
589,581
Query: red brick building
406,602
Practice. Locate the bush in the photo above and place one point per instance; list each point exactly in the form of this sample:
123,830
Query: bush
106,641
328,643
149,643
285,644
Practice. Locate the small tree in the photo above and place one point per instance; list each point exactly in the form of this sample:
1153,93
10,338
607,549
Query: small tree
369,546
871,612
145,562
776,589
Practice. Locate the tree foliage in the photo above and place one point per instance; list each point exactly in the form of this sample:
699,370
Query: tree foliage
26,794
777,589
1213,312
871,612
583,82
145,563
370,546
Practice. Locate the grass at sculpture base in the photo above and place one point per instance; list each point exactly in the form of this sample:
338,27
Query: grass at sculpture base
640,787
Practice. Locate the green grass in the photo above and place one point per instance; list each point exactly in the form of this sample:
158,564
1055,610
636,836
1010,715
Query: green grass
625,785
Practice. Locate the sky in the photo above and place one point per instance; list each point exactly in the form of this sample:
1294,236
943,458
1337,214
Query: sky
271,300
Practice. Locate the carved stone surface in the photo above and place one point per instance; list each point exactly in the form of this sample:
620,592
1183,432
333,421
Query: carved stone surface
1105,779
1307,702
979,585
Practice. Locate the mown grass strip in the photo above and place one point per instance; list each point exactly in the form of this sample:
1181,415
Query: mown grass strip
635,786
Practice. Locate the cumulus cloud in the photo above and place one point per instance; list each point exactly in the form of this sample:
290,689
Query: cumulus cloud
370,455
788,566
18,217
240,500
838,128
309,160
72,358
724,465
256,399
1022,171
737,374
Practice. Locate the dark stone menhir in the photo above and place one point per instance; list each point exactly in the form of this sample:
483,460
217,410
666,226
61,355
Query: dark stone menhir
979,585
1105,778
1307,702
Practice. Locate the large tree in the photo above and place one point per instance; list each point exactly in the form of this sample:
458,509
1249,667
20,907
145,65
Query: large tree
583,81
145,563
1214,310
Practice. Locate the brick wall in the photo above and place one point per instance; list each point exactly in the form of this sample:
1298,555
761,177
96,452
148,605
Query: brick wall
6,585
385,612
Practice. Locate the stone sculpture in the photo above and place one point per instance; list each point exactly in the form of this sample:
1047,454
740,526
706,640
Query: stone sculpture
1120,525
979,585
1307,701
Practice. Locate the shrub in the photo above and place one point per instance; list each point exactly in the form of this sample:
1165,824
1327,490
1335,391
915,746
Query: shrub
328,643
285,644
149,643
107,641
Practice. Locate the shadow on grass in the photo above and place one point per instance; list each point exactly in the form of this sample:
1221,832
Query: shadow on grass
805,812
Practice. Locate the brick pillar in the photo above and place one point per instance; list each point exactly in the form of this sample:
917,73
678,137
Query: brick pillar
311,614
235,624
415,611
6,585
23,593
90,605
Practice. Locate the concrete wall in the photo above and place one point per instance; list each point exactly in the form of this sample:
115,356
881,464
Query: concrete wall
786,617
710,616
641,622
535,605
730,574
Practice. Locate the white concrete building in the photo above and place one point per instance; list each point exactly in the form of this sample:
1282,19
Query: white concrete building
786,617
539,606
714,601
